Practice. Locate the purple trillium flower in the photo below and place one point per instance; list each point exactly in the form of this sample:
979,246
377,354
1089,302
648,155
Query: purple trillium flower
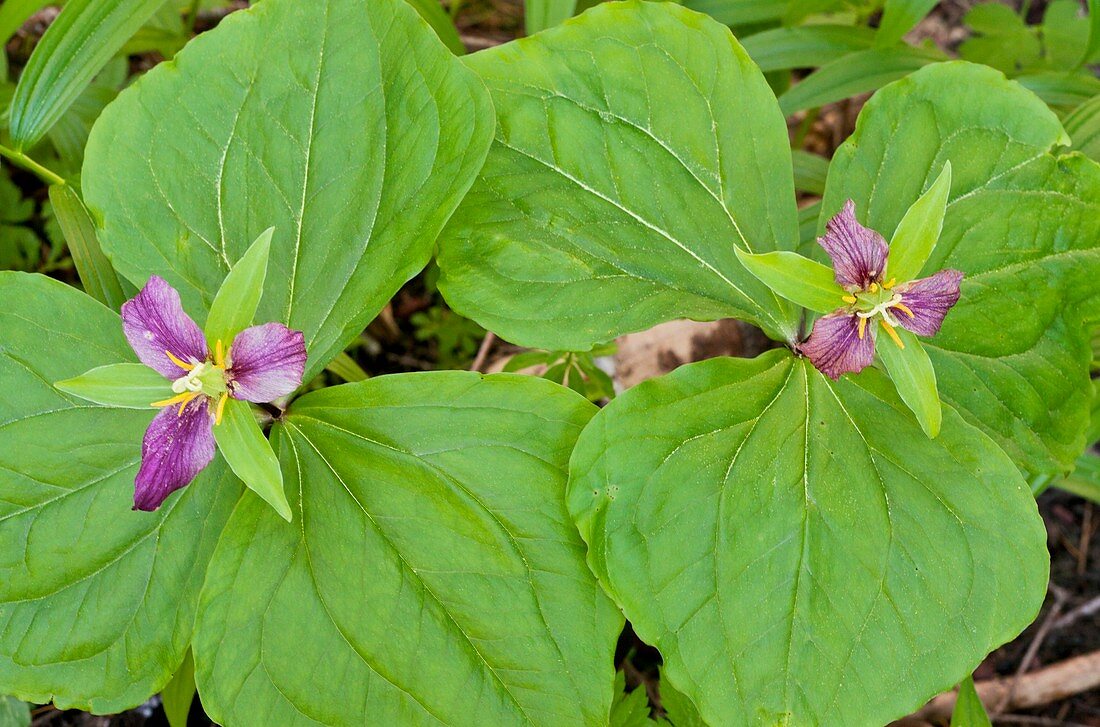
261,364
844,340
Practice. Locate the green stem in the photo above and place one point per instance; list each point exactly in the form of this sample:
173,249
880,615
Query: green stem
193,16
804,127
18,157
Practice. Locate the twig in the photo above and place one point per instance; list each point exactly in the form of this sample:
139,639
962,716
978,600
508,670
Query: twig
1033,648
483,351
1087,608
1086,536
477,42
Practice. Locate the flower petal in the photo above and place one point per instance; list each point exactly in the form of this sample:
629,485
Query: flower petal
858,253
154,322
928,299
177,446
266,362
834,347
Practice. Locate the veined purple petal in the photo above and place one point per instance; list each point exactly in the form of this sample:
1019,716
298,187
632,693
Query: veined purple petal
266,362
834,346
175,449
154,322
928,299
858,254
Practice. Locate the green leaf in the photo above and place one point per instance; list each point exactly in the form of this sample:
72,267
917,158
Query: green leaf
13,13
1058,88
740,12
14,712
969,711
806,46
1022,224
681,712
429,520
347,368
76,46
919,230
898,18
1085,479
1065,35
798,279
1083,127
914,378
1002,39
612,202
126,385
235,305
1092,50
786,541
855,73
72,551
630,709
346,125
242,443
96,273
810,172
178,694
433,12
528,359
20,248
538,15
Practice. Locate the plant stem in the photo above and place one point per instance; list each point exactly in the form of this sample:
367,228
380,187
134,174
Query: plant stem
18,157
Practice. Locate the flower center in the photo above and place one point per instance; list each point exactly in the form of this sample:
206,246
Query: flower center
878,301
206,378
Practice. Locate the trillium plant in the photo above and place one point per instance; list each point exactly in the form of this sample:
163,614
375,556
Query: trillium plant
831,533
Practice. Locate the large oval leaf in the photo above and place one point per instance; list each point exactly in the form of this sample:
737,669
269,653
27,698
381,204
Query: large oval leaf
612,200
799,551
345,125
435,576
1023,224
96,601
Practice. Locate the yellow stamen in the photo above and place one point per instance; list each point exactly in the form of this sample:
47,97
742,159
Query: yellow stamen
184,397
178,362
221,407
849,299
889,285
862,327
873,288
893,334
904,309
219,354
184,404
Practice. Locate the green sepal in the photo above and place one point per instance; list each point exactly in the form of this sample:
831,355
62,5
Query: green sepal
123,385
178,694
915,379
919,230
235,305
244,447
969,711
798,279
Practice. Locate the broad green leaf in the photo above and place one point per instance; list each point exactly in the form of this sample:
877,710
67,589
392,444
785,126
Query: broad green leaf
612,202
911,371
1022,224
799,279
126,385
681,712
898,18
806,46
740,12
810,171
630,709
243,445
14,712
429,519
345,125
1058,88
178,694
432,11
787,541
96,273
13,13
919,230
235,304
1002,39
855,73
969,711
1083,127
1065,35
538,15
96,601
76,46
20,248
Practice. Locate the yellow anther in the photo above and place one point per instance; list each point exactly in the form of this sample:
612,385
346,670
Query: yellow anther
904,309
219,354
178,362
873,288
889,285
862,327
184,397
221,407
893,334
849,299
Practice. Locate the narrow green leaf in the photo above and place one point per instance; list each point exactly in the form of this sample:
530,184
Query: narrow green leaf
433,12
969,711
919,230
1092,51
807,46
539,15
178,694
798,279
125,385
808,217
77,45
898,18
13,13
235,305
855,73
810,171
1058,88
740,12
1085,480
244,447
347,369
97,275
915,379
1083,127
527,359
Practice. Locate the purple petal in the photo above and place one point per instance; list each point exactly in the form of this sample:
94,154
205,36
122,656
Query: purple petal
266,362
154,322
834,347
175,449
858,254
928,299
